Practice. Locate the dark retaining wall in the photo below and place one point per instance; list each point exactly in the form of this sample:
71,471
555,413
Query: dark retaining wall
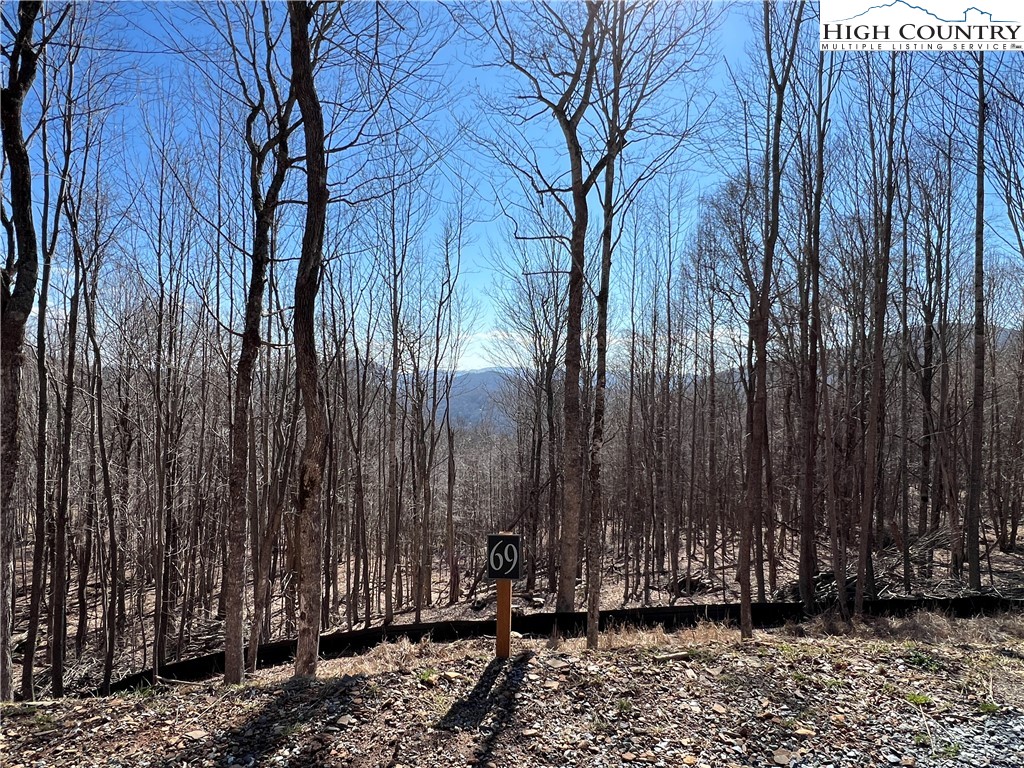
569,624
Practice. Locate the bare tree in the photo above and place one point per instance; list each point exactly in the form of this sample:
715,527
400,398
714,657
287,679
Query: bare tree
648,49
817,86
17,289
307,285
1007,160
52,210
885,182
556,51
251,38
784,31
529,300
972,515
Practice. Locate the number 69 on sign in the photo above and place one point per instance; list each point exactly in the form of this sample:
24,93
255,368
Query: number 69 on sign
504,556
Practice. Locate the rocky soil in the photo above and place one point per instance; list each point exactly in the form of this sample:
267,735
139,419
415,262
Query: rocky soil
924,691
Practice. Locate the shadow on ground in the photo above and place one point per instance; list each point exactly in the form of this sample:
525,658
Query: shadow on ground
292,727
488,709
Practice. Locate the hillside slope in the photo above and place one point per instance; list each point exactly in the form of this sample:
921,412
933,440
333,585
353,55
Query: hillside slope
924,691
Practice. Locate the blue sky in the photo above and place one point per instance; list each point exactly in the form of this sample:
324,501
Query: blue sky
732,39
154,68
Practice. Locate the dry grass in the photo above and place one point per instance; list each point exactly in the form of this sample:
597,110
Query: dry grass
930,627
923,626
406,657
624,637
709,632
400,655
926,627
634,637
707,638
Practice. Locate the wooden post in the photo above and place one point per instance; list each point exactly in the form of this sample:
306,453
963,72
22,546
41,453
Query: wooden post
504,565
503,642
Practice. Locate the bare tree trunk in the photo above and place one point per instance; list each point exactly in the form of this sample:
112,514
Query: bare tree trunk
823,92
113,556
453,557
571,458
42,374
879,302
307,285
905,398
754,508
713,494
972,518
836,541
264,209
396,264
84,556
15,306
595,534
60,567
613,144
549,410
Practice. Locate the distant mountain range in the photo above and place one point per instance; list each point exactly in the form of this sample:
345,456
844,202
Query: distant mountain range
474,396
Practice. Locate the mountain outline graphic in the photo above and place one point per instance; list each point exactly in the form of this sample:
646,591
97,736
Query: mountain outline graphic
911,6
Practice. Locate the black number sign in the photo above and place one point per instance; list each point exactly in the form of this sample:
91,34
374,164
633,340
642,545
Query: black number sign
504,556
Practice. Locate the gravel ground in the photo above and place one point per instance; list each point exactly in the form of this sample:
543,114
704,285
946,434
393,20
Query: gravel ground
919,692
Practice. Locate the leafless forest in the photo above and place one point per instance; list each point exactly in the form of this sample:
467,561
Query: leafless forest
750,323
